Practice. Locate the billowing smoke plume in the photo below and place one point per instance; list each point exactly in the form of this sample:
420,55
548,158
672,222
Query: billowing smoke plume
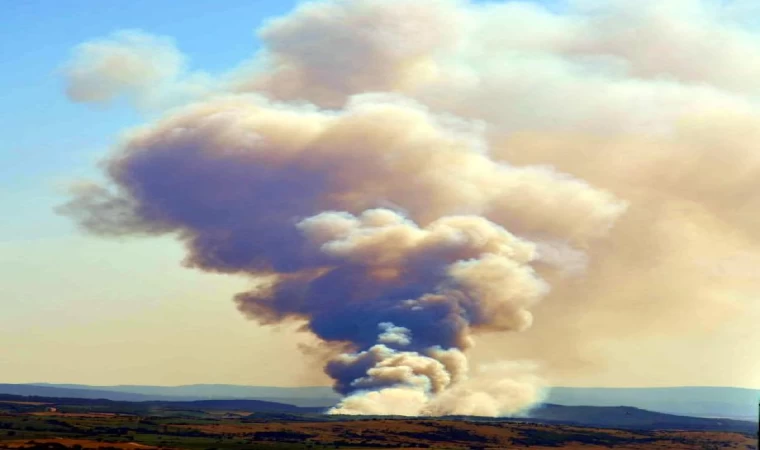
403,175
302,197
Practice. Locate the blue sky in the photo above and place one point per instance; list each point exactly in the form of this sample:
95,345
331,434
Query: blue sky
48,300
46,138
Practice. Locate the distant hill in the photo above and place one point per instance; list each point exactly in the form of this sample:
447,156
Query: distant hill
316,396
624,417
84,392
17,402
242,405
212,390
732,403
587,416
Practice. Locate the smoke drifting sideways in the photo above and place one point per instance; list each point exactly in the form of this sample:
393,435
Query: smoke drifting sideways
149,70
405,177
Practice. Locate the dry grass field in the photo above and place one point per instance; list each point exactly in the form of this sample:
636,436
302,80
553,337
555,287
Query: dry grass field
75,443
58,431
468,435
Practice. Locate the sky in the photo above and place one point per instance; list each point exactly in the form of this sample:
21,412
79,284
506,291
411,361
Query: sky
56,323
81,308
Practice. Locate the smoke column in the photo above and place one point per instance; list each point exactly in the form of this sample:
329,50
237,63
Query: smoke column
401,176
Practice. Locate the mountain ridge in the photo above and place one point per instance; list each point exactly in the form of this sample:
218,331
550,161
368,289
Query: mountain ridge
694,401
624,418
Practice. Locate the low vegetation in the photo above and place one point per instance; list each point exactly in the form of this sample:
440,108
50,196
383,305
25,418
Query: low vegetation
37,424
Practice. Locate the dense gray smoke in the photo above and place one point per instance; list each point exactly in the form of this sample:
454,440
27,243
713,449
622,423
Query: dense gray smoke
403,175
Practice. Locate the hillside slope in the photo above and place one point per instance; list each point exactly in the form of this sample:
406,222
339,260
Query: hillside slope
732,403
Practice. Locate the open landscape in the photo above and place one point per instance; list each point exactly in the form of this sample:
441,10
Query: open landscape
380,224
706,402
57,423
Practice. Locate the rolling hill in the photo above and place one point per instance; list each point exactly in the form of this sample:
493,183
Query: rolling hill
584,416
731,403
300,396
624,417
